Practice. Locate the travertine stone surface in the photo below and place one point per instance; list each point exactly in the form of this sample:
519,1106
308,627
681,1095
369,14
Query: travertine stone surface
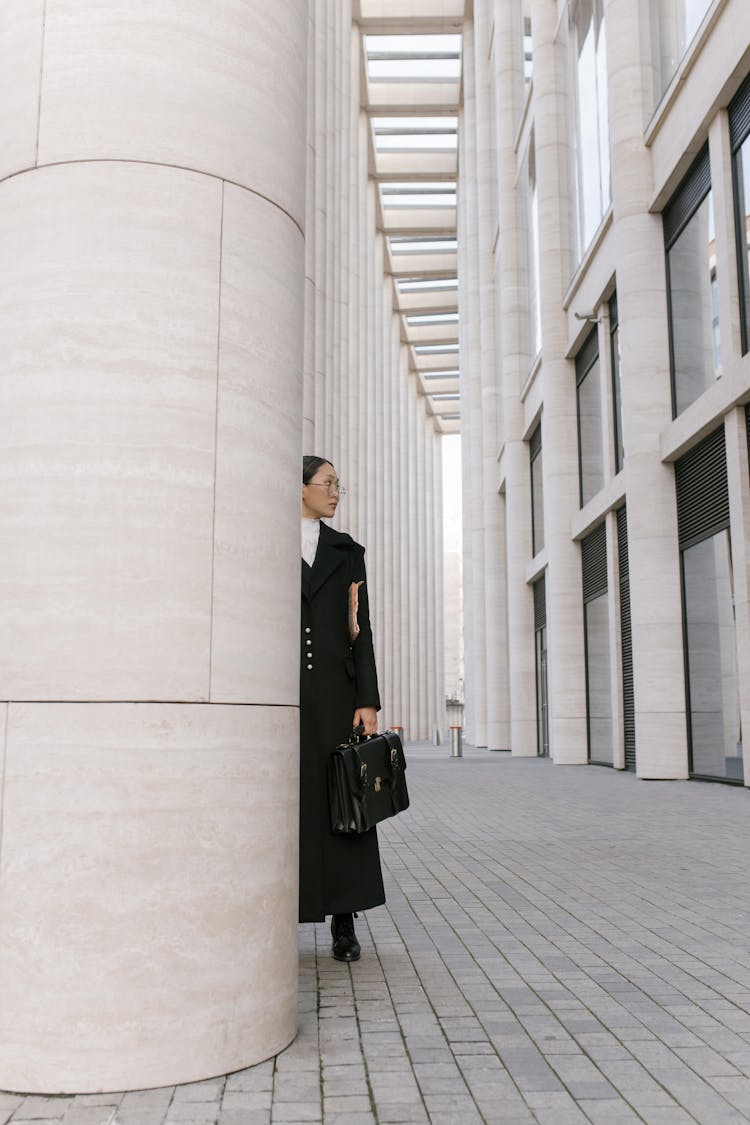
256,535
178,83
107,404
21,39
150,409
160,845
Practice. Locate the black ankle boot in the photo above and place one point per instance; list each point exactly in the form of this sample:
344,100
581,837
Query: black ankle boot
345,945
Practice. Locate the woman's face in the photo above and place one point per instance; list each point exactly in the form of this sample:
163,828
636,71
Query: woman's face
320,497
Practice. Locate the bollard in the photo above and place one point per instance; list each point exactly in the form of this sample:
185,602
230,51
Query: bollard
456,742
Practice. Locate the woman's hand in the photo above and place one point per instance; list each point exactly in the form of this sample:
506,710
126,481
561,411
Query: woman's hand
366,717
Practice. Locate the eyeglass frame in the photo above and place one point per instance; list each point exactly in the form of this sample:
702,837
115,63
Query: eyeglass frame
331,486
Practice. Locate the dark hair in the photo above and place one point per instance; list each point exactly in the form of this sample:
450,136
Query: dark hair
310,466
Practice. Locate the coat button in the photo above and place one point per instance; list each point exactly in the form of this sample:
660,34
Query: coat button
309,667
307,630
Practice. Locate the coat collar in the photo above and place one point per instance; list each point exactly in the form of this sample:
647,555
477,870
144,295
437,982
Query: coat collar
333,550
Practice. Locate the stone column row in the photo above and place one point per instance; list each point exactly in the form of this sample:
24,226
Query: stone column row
363,409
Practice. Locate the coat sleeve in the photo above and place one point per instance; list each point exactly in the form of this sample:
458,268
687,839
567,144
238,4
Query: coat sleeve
364,656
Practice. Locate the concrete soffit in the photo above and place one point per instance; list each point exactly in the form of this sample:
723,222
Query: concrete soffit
410,88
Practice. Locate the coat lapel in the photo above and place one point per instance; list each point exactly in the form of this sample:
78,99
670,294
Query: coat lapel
306,579
330,555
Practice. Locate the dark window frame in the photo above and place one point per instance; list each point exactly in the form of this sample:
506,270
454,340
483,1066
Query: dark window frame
614,360
539,589
687,199
535,448
739,131
587,356
594,586
697,522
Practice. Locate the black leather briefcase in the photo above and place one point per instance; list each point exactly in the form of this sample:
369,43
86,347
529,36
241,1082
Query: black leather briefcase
366,782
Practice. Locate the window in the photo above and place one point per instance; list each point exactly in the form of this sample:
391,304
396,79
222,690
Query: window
739,131
537,493
528,43
540,651
691,287
708,611
626,640
589,399
596,635
678,21
592,164
614,342
534,315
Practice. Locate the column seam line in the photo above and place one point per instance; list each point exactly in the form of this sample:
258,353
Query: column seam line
216,447
41,79
223,180
144,703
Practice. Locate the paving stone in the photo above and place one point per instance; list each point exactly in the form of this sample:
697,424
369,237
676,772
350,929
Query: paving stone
87,1114
209,1091
42,1108
141,1099
557,946
242,1100
153,1115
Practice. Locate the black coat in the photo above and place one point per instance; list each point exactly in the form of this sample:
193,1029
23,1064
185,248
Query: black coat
338,874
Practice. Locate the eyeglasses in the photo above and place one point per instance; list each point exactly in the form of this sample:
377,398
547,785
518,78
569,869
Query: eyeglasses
333,486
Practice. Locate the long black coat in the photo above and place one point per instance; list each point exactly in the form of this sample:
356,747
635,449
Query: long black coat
338,874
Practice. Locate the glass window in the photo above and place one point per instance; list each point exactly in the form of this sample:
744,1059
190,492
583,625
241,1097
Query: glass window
528,43
715,733
742,214
542,717
692,286
534,316
592,164
540,654
614,329
537,492
678,21
598,680
589,397
694,321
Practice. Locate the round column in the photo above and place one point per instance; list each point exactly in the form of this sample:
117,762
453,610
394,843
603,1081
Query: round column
566,668
655,592
151,211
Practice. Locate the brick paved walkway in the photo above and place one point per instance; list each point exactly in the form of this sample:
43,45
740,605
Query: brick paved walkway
559,945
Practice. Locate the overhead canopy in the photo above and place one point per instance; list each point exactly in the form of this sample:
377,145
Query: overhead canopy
412,65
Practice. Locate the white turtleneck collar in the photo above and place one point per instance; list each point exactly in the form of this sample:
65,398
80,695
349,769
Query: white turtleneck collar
310,537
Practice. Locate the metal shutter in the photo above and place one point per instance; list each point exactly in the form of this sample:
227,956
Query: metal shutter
739,115
688,197
586,357
594,563
628,694
540,604
702,490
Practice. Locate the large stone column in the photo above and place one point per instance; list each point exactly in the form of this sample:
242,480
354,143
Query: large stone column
471,413
490,374
513,302
567,676
655,595
151,204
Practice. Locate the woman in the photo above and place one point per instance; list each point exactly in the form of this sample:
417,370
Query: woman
338,692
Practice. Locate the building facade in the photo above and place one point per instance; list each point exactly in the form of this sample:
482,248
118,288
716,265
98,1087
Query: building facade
603,175
230,235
